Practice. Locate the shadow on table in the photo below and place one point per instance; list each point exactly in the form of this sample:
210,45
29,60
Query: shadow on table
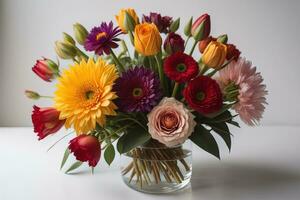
237,179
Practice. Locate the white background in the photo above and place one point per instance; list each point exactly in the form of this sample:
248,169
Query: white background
267,33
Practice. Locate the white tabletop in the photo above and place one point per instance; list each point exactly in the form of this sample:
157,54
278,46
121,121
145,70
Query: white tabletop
264,164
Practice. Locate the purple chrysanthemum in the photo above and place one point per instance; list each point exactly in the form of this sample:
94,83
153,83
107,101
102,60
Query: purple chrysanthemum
102,39
162,23
138,90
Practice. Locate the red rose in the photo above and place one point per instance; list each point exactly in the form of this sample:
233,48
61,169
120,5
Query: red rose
173,43
46,69
203,94
232,52
180,67
46,121
86,148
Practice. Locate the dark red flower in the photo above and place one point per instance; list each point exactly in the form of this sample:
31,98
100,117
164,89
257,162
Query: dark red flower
162,22
86,148
180,67
46,121
46,69
232,52
204,95
174,43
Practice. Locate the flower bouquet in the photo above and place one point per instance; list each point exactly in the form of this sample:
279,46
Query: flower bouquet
147,102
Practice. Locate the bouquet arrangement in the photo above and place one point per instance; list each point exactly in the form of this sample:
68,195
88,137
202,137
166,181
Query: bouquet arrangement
148,101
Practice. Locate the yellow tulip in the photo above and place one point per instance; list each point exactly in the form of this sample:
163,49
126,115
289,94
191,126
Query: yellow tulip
214,54
147,39
121,18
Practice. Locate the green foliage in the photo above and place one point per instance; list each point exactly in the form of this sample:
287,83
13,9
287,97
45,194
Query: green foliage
222,130
65,157
204,139
135,136
109,154
74,166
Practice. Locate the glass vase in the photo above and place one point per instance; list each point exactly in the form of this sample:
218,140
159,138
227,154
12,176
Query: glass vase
155,168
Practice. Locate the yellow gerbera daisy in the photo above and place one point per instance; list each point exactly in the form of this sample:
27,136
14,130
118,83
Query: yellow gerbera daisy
84,94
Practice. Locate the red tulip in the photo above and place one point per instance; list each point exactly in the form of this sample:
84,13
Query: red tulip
86,148
174,43
203,43
205,18
46,121
45,69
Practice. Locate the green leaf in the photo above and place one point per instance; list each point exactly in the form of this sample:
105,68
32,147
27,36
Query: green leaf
74,166
204,139
222,130
134,137
224,108
65,158
109,154
175,25
234,123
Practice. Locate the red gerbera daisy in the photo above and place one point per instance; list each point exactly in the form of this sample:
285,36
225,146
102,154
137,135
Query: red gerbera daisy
204,95
180,67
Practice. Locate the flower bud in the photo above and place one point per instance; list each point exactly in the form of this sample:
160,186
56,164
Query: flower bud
188,27
223,38
46,69
232,52
80,33
203,43
173,43
214,54
205,19
175,25
65,50
129,22
32,94
68,39
125,22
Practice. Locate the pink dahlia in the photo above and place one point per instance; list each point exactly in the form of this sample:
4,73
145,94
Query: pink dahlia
239,81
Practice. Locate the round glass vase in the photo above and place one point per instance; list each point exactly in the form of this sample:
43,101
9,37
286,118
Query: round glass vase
155,168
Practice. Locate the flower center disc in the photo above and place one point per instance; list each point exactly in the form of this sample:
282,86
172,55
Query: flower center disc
89,94
100,35
137,92
181,67
200,96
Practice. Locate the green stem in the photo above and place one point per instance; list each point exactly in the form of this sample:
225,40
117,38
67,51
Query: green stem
48,97
81,53
120,66
125,46
75,60
193,48
131,37
186,42
160,72
175,89
59,141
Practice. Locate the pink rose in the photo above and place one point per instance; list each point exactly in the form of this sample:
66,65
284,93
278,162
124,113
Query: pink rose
170,122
